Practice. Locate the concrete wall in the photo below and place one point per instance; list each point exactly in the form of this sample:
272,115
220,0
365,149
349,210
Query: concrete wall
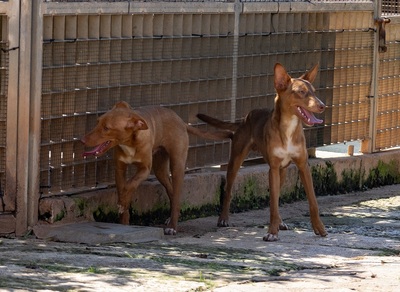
202,191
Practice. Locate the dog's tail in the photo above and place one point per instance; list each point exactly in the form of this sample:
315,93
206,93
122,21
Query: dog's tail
211,135
218,123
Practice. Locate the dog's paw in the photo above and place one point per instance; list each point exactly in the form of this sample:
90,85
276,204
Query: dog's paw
271,237
283,226
169,231
319,229
223,223
321,233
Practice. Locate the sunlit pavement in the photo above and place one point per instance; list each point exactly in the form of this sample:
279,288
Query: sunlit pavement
360,253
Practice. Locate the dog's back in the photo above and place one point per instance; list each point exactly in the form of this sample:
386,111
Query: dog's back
167,127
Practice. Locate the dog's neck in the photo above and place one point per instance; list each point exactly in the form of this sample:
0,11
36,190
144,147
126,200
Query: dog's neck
287,122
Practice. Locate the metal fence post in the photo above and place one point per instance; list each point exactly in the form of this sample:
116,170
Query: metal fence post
369,144
238,10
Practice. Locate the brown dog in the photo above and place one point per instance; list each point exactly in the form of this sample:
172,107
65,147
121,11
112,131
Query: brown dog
279,136
148,137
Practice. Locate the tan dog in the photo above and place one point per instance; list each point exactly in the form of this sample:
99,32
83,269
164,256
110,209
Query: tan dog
279,136
148,137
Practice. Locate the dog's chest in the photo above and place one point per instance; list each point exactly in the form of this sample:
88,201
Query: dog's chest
286,153
289,150
129,155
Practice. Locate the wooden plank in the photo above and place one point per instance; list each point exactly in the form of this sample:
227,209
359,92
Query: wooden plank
12,108
7,224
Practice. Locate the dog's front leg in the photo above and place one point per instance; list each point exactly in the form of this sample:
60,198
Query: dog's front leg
127,188
274,190
306,178
124,198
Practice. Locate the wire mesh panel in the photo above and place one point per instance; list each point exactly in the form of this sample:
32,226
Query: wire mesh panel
3,110
390,7
293,39
187,61
388,116
341,43
351,71
182,61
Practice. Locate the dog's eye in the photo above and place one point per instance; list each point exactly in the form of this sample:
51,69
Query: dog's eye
300,92
106,129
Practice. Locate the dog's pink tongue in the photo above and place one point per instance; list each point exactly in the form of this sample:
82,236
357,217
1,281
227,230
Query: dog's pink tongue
94,151
311,119
314,120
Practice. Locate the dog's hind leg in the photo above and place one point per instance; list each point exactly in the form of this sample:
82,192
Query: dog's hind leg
178,164
162,172
239,150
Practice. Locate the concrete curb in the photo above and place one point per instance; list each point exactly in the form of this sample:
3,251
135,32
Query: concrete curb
98,233
204,189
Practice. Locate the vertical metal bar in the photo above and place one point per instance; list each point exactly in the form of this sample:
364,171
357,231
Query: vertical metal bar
35,112
371,147
238,10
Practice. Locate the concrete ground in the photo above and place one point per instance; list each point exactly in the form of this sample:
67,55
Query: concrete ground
361,252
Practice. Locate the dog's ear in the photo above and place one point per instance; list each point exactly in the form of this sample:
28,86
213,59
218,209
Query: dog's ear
311,74
137,123
122,104
281,78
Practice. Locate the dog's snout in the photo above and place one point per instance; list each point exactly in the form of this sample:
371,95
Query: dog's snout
319,104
